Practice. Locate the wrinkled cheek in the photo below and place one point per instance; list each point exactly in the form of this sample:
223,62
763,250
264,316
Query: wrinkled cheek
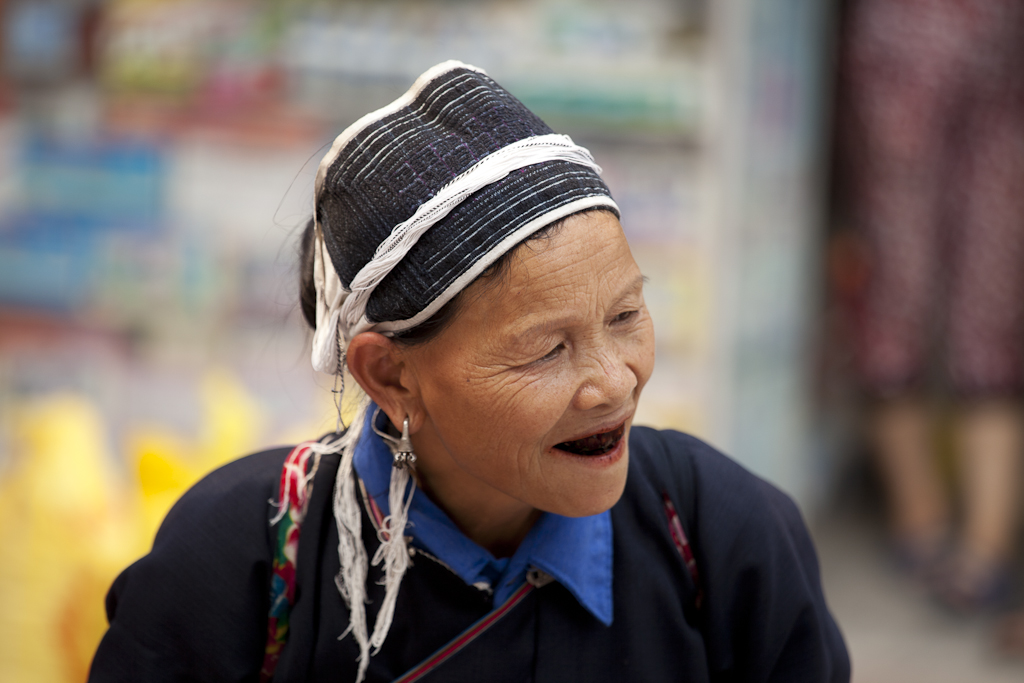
521,425
529,400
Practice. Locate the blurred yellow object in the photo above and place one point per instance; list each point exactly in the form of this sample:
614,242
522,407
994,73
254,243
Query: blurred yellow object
64,533
168,465
69,523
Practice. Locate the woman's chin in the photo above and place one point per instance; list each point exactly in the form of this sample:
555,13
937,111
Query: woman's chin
593,483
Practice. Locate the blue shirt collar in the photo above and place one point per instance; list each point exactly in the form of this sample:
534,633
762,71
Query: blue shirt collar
575,551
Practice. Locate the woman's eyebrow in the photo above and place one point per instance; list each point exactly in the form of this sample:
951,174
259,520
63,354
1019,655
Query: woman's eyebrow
635,285
638,283
543,327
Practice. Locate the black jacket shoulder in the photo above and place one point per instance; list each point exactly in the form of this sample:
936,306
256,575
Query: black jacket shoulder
763,614
195,608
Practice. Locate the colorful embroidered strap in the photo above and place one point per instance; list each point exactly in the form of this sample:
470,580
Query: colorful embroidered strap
675,528
465,638
293,496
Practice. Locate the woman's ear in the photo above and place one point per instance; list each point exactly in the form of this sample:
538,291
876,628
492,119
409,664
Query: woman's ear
377,364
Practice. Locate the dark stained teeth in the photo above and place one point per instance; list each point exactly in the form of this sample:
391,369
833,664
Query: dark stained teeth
597,444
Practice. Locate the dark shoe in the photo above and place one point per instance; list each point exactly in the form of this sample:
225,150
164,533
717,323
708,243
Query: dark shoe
968,585
922,557
1010,635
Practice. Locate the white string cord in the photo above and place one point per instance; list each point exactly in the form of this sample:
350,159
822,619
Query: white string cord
393,551
329,296
351,578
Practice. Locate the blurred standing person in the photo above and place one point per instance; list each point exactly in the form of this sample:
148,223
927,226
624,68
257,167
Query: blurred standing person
935,153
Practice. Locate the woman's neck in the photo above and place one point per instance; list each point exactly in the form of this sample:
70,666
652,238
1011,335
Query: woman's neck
490,518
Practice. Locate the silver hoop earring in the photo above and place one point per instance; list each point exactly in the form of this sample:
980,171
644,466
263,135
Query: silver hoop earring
404,455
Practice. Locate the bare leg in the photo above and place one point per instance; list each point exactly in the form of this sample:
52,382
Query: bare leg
990,437
991,440
919,509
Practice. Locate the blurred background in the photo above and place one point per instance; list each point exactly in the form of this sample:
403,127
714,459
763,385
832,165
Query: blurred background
826,197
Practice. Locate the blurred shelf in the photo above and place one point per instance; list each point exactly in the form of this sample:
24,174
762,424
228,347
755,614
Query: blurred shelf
260,124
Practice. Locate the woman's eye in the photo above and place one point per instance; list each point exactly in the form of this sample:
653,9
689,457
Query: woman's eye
550,355
624,316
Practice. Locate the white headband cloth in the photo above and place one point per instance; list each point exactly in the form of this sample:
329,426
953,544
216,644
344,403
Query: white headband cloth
341,312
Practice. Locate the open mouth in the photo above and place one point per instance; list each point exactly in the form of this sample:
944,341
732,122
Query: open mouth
595,444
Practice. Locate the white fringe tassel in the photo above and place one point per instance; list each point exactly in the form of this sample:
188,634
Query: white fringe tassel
392,551
351,579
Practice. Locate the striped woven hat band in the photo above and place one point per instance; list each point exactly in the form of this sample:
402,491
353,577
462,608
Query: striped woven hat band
415,200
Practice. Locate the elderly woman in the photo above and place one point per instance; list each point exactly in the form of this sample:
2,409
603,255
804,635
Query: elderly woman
491,514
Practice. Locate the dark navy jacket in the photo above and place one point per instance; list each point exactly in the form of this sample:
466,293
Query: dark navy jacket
195,608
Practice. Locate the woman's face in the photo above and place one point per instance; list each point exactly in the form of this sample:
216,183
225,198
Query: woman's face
534,365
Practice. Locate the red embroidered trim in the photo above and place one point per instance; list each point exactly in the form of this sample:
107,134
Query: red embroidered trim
465,638
675,527
293,496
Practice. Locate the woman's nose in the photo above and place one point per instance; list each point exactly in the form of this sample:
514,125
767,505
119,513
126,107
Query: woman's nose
608,380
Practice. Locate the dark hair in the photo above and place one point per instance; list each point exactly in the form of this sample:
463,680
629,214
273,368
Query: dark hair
496,274
307,288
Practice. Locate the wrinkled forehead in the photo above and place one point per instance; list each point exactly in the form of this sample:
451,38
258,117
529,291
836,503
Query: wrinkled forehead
580,271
